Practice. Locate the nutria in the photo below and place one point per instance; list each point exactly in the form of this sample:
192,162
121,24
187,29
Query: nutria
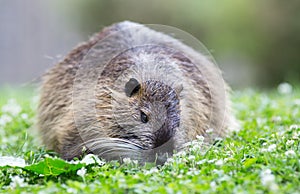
132,92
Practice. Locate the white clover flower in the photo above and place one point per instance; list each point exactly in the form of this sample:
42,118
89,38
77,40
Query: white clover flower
213,185
126,160
17,181
136,176
170,161
297,102
181,153
191,157
92,159
225,178
24,116
220,139
12,107
71,190
290,153
151,171
12,161
200,137
296,135
290,142
81,172
268,180
285,88
272,148
219,162
4,119
294,127
192,172
187,144
129,161
211,161
218,172
201,162
276,119
210,130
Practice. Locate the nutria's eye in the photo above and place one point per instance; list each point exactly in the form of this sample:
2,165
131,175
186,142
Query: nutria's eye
132,87
144,117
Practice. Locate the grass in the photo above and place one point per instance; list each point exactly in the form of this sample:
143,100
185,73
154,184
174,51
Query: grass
263,157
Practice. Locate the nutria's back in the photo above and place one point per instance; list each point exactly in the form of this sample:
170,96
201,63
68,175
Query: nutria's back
131,92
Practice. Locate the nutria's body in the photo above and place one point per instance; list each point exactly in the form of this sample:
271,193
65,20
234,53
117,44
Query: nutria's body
128,91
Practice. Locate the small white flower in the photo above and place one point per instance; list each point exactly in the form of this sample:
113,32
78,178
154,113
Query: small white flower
170,160
211,161
92,159
126,160
220,139
81,172
290,142
129,161
192,172
290,153
151,171
200,138
294,127
219,162
4,119
17,181
210,130
268,180
181,153
285,88
218,172
296,135
24,116
213,185
201,162
297,102
71,190
12,161
272,148
191,157
276,119
12,107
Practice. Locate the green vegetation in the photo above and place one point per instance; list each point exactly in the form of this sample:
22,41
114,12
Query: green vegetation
255,42
263,157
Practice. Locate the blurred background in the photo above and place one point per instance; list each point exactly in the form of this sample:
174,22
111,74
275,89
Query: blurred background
255,43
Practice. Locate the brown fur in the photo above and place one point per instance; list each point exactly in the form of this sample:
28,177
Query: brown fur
196,99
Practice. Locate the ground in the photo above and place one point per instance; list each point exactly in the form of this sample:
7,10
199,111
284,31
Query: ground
262,157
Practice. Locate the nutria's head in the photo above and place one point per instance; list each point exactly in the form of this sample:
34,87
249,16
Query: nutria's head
155,107
137,106
143,124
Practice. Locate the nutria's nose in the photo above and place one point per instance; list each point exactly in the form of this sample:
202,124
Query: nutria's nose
163,135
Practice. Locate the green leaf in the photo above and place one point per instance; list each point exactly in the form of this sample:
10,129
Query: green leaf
249,162
53,166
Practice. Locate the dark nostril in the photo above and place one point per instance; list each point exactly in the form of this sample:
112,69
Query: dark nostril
163,136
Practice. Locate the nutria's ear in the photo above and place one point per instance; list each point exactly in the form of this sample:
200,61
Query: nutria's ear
132,87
